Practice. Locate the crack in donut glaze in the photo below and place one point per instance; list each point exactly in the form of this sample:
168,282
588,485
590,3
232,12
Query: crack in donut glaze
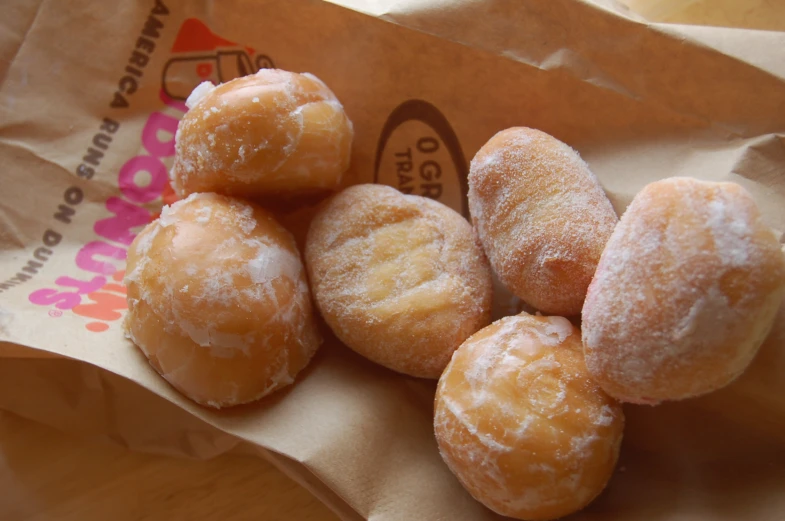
218,300
520,422
400,279
273,132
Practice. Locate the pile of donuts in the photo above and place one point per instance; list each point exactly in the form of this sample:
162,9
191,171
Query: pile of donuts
673,299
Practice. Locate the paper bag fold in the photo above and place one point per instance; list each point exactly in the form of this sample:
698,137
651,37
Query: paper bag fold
91,95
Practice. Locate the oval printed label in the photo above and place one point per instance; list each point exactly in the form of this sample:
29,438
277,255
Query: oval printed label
418,153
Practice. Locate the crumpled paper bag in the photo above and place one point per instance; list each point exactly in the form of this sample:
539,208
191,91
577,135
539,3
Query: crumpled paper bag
90,98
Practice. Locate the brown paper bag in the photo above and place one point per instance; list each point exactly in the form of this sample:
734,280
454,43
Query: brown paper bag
90,98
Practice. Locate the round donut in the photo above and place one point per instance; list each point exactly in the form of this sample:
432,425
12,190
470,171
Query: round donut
270,133
685,293
218,300
400,279
520,422
542,217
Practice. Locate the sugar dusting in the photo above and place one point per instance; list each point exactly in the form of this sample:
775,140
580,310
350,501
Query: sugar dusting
521,390
203,215
542,217
198,94
248,135
244,270
687,278
400,279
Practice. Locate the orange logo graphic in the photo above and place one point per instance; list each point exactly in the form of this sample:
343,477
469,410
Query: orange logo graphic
204,56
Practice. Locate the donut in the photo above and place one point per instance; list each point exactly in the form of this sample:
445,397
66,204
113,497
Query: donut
542,217
685,292
400,279
521,424
218,300
270,133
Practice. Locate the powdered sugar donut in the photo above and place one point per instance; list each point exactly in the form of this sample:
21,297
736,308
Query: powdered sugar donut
400,279
218,300
685,292
542,217
520,422
273,132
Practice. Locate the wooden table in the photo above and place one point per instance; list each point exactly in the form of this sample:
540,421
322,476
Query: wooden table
49,475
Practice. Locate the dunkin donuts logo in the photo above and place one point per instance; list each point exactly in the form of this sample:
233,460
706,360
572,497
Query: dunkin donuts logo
418,153
96,292
199,55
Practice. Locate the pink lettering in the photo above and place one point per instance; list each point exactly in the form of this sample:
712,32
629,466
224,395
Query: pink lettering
66,299
156,124
98,256
128,174
85,258
82,287
61,299
118,228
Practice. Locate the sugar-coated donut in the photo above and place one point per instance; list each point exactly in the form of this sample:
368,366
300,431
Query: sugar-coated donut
542,217
273,132
520,422
685,292
401,279
218,300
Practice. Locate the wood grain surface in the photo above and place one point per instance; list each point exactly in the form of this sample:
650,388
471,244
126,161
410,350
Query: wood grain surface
47,475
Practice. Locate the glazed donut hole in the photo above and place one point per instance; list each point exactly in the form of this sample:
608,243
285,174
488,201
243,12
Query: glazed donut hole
520,422
218,301
542,217
265,135
685,293
400,279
